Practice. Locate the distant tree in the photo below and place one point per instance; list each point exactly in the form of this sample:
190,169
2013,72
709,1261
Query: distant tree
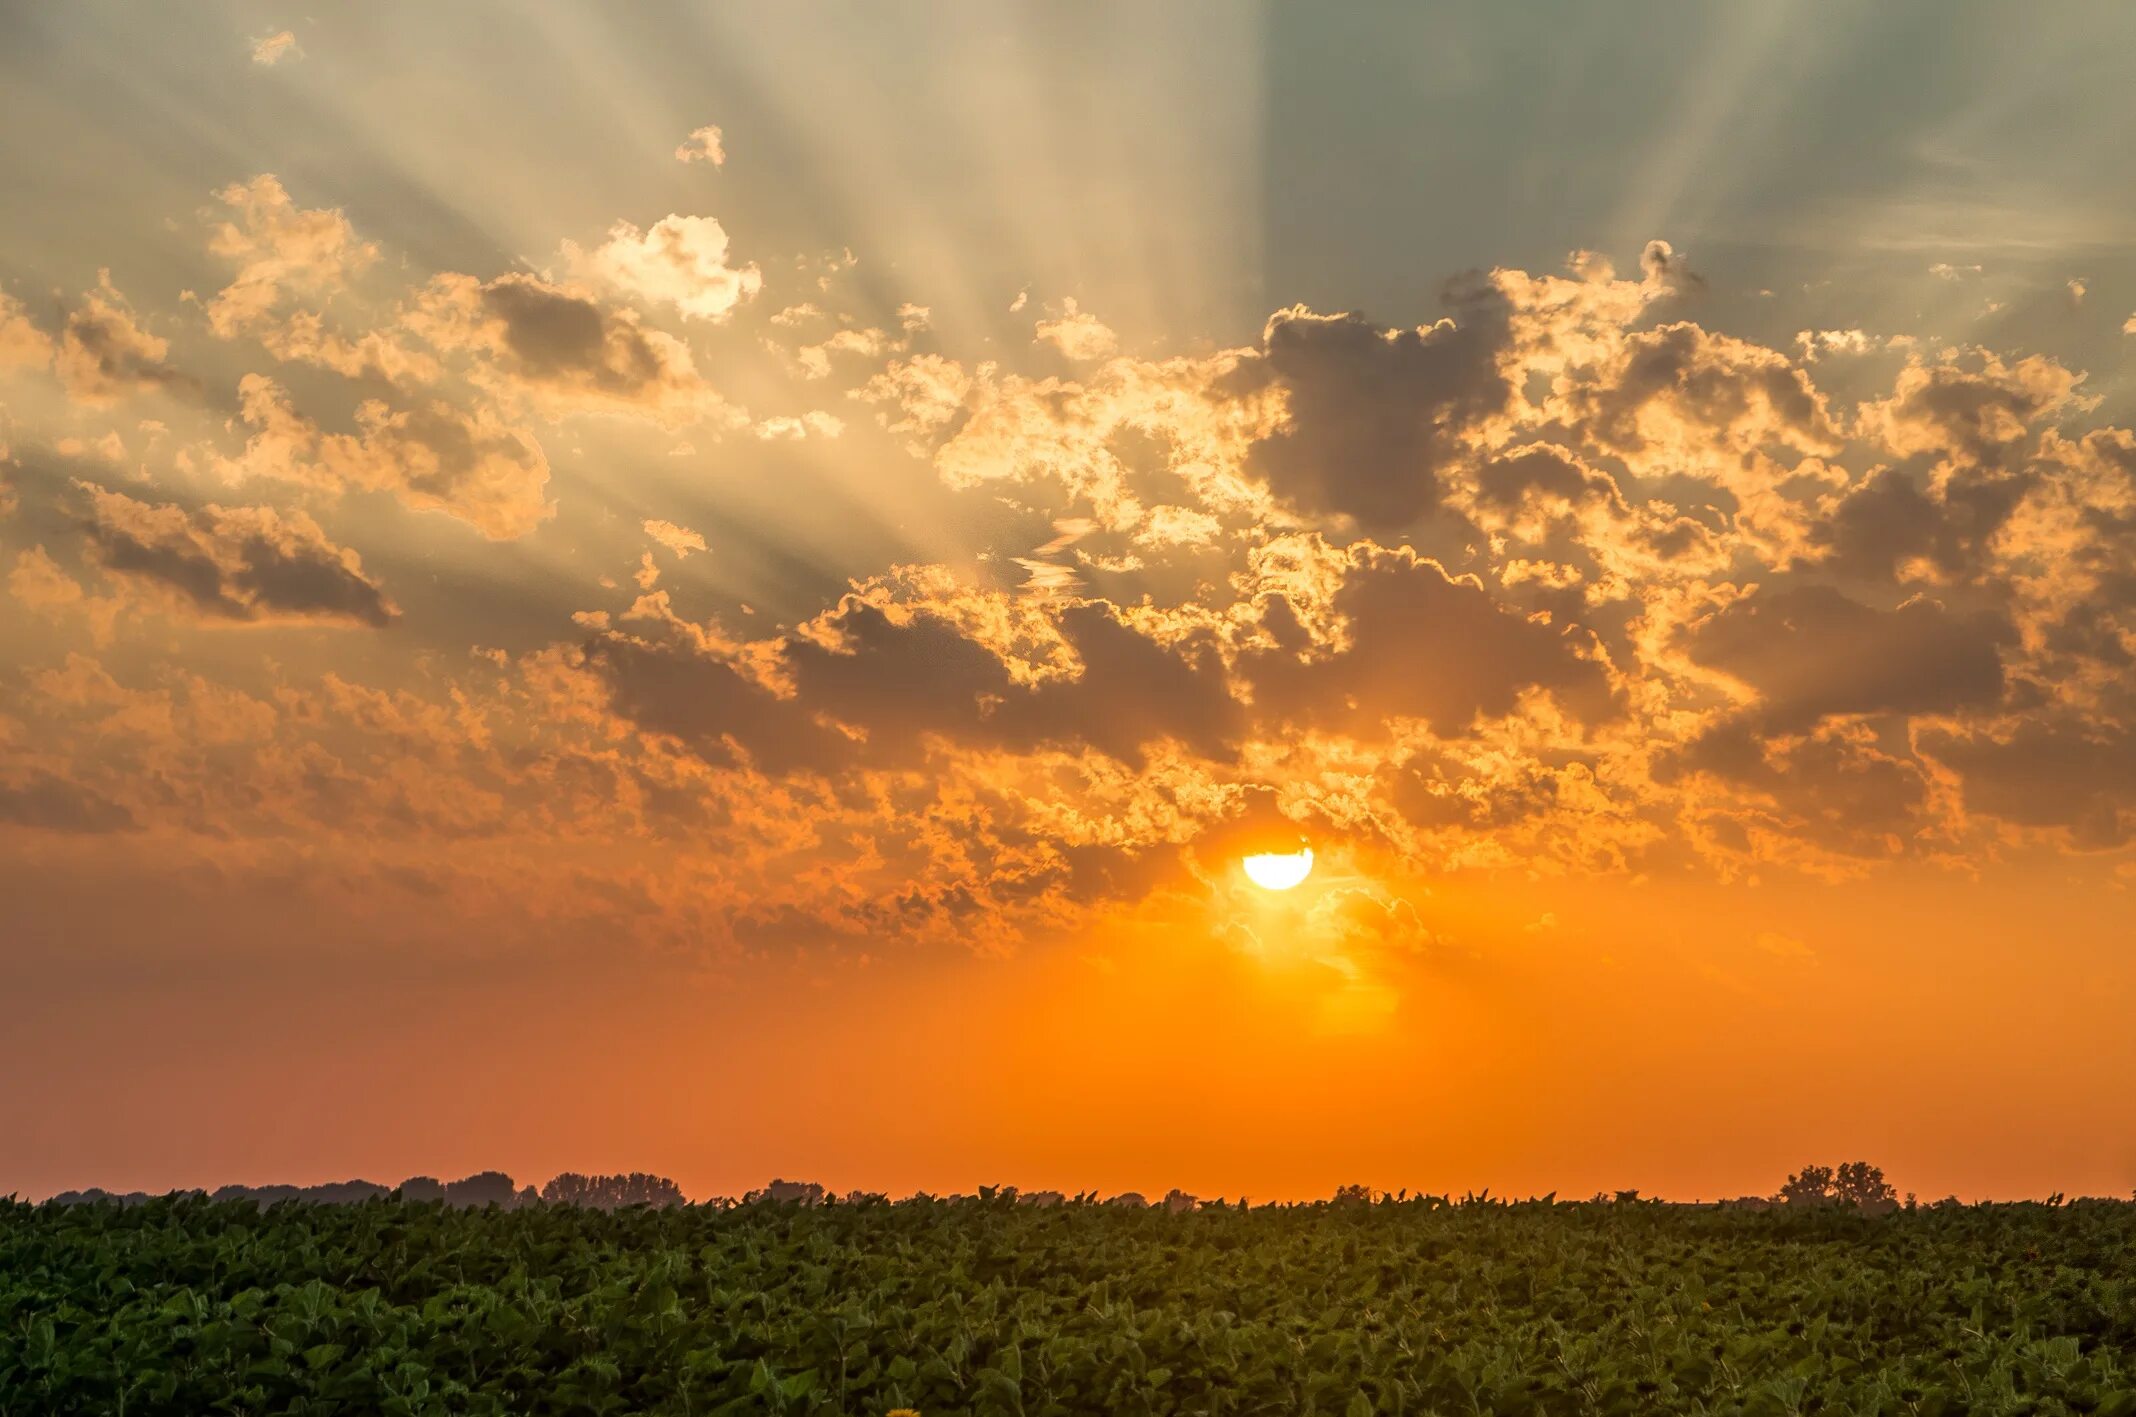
481,1189
344,1192
570,1188
1355,1194
1857,1184
1812,1185
611,1192
1863,1186
1176,1201
422,1188
789,1193
1130,1200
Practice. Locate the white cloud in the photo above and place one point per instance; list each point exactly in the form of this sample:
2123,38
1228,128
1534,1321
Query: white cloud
681,262
784,428
678,539
1078,334
703,145
276,47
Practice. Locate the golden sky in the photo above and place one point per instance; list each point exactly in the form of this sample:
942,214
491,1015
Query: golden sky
725,592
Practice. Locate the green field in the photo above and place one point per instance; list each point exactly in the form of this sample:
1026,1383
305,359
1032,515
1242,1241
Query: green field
987,1306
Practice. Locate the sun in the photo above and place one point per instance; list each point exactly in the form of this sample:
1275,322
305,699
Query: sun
1279,870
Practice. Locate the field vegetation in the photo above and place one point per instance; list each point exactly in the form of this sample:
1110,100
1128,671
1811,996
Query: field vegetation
799,1302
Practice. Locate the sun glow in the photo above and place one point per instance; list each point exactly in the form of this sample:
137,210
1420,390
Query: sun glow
1279,870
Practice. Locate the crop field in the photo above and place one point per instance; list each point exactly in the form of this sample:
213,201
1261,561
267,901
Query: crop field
191,1306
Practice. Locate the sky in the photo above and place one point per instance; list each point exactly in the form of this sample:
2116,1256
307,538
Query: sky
726,590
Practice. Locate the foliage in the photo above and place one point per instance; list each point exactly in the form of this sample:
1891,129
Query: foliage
1856,1183
611,1192
186,1305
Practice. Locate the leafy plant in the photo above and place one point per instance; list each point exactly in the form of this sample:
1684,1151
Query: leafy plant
995,1305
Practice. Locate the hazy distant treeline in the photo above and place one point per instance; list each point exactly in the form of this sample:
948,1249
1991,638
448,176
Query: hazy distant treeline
484,1188
1856,1185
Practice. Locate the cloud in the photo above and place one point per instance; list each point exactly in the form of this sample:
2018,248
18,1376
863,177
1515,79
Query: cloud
1896,526
681,262
813,361
50,803
1971,405
1661,264
281,251
920,396
786,428
703,145
272,49
560,348
678,539
38,582
22,344
2050,772
1823,800
431,455
1682,396
104,354
1810,652
1357,637
1374,417
1077,334
878,677
234,564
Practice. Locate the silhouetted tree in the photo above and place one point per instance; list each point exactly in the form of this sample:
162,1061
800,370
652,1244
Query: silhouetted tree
481,1189
1812,1185
1856,1184
611,1192
790,1193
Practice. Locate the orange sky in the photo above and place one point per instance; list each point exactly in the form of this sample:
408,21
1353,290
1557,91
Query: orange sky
568,608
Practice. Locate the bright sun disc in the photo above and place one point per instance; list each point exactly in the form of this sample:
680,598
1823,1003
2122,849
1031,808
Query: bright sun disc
1279,870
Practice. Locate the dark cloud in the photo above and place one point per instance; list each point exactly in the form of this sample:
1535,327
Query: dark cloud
708,703
557,336
898,682
50,803
1840,792
872,687
1889,521
1685,383
1811,652
557,343
1420,645
2047,772
1438,791
1377,416
1551,473
235,563
104,354
1976,409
